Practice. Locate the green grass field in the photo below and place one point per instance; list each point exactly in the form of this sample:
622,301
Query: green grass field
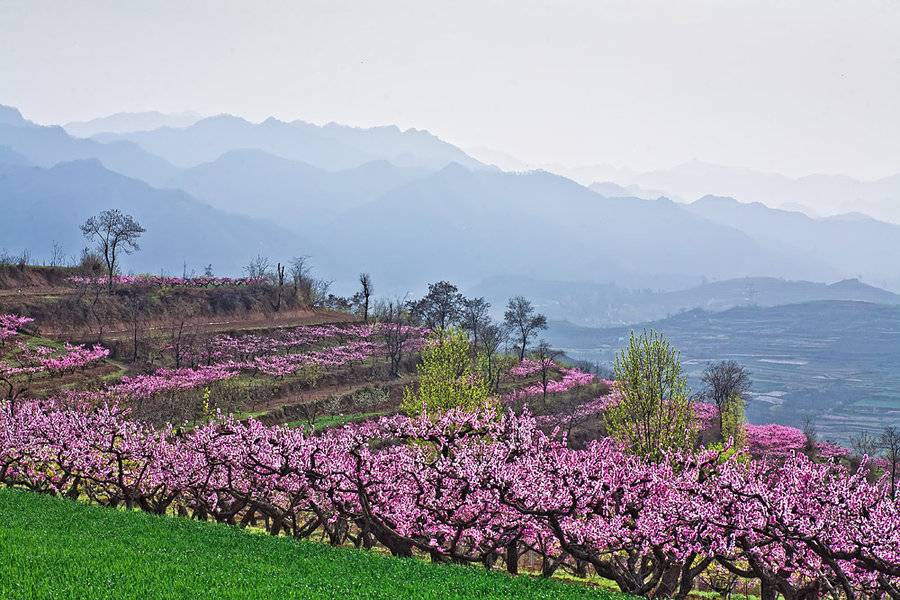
53,548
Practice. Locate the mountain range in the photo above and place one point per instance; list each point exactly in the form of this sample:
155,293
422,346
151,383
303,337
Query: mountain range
406,206
330,147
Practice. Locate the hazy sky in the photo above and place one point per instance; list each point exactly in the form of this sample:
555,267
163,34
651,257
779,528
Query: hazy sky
796,87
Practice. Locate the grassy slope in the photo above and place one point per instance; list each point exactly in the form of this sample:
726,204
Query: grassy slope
52,548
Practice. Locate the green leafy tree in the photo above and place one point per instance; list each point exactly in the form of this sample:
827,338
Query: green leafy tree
655,413
732,419
446,377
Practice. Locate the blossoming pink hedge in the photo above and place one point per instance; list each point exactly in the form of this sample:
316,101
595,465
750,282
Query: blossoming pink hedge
471,487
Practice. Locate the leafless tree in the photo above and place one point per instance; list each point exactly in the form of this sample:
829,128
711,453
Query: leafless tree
181,336
365,292
57,256
864,443
138,323
723,381
300,272
889,442
279,287
113,232
474,317
493,337
393,327
546,358
522,319
258,267
440,308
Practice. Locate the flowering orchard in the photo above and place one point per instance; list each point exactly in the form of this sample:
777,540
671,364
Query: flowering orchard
21,364
486,486
481,488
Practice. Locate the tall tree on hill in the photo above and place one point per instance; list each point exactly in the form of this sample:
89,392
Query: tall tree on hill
521,318
113,232
440,308
725,381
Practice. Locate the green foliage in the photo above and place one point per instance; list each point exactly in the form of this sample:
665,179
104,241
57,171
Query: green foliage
655,413
53,548
446,377
733,420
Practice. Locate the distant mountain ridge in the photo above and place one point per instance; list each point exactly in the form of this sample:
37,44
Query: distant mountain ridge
855,245
815,194
47,146
329,147
125,122
608,305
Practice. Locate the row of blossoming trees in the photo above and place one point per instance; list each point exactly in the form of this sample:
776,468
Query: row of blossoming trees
482,484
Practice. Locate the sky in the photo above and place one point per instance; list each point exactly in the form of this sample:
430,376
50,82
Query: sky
800,87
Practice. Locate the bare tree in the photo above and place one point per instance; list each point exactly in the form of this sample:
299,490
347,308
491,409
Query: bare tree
546,358
393,327
864,444
492,337
889,442
300,272
441,306
365,292
113,232
522,319
723,381
57,256
279,286
258,267
474,317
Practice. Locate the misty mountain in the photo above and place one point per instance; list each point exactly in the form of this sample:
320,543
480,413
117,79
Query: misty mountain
47,146
330,147
296,195
125,122
607,304
817,194
468,225
854,244
41,205
614,190
835,362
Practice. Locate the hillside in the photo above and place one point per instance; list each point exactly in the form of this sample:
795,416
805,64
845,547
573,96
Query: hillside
45,205
832,361
59,548
294,194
